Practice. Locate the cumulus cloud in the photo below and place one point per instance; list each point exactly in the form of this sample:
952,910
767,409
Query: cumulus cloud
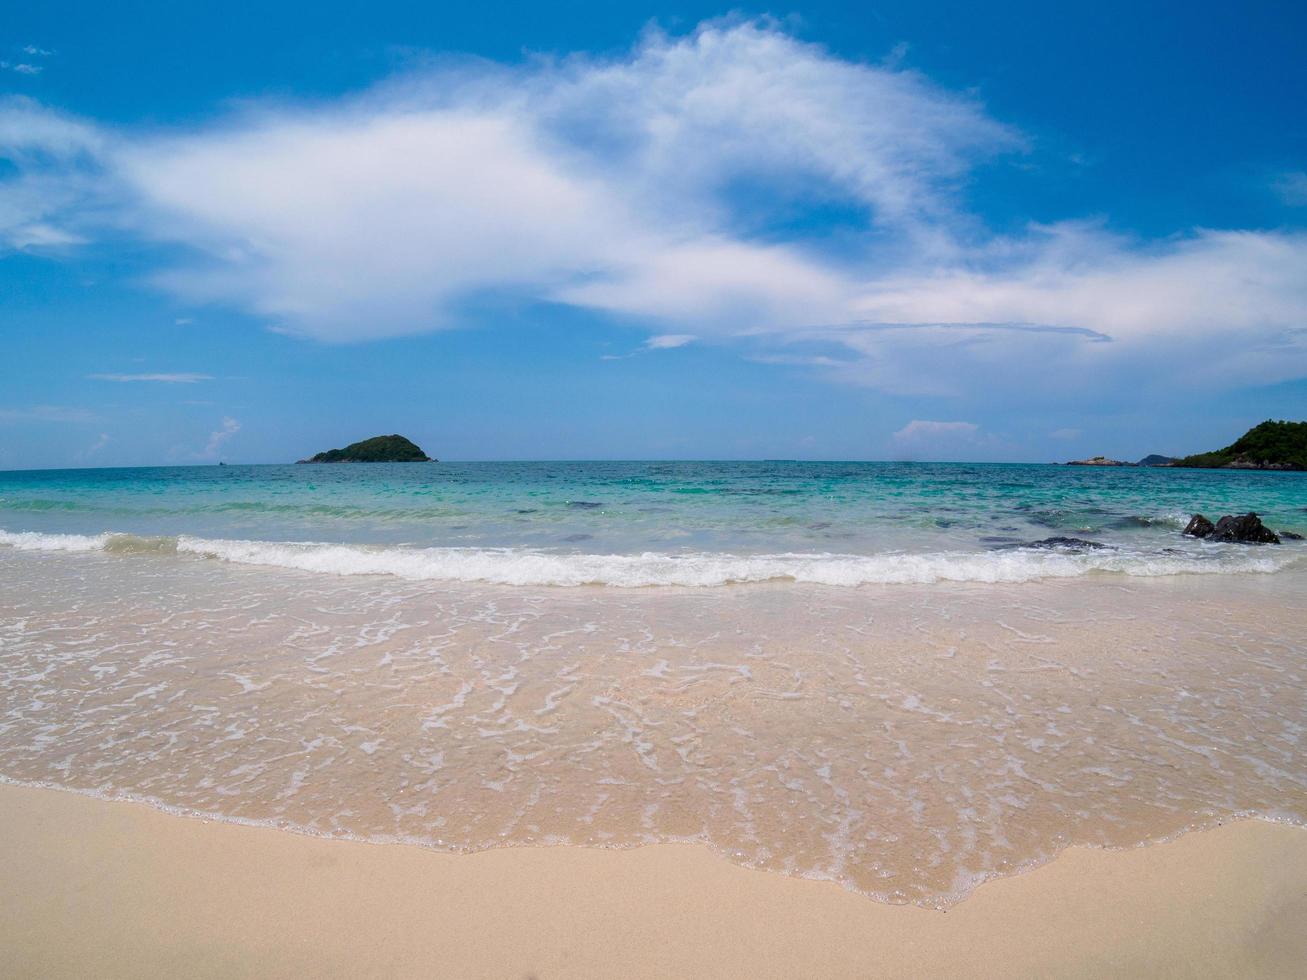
658,187
175,378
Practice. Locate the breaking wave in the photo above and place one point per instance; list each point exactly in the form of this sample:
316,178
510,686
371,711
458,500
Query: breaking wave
513,566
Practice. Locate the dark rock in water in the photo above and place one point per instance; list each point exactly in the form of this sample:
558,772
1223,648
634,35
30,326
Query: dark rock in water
1291,536
1154,459
584,504
1077,544
1244,529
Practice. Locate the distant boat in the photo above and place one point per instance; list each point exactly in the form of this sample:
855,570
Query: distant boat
220,463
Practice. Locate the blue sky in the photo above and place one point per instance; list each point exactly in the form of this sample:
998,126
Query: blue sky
894,230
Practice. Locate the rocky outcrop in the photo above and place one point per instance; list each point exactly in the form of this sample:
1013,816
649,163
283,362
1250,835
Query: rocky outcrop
1244,529
378,449
1153,459
1097,461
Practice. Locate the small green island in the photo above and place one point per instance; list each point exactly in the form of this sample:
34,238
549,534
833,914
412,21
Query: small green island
378,449
1269,446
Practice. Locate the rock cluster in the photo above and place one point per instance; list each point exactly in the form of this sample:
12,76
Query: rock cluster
1244,529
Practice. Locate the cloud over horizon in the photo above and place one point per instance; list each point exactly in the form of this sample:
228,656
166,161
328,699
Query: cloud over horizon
657,188
219,437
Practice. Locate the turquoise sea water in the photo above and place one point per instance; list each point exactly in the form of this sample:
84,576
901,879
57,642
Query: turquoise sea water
606,522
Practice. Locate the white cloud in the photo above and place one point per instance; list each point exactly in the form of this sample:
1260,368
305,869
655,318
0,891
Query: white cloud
219,437
33,50
99,444
22,68
597,183
175,378
931,439
655,187
669,341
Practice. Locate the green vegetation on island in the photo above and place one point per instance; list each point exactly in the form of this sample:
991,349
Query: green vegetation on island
378,449
1269,446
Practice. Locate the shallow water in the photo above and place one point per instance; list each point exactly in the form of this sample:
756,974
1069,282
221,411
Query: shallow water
905,740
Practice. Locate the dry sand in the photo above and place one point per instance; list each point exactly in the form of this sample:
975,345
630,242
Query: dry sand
91,888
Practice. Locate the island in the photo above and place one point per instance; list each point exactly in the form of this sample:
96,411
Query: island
1269,446
1098,461
378,449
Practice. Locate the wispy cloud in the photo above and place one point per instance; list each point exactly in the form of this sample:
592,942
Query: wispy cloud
669,341
919,429
21,68
173,378
219,437
666,341
610,185
1292,188
33,50
48,413
95,447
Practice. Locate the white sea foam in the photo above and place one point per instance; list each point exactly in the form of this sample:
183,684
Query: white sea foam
34,541
511,566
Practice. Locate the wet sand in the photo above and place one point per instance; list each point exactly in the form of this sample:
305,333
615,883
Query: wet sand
94,888
907,742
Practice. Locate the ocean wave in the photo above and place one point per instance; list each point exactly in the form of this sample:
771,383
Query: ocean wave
511,566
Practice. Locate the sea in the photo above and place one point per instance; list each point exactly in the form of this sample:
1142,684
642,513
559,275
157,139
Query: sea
905,678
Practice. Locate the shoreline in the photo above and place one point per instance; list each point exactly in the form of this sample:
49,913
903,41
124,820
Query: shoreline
942,904
470,719
117,888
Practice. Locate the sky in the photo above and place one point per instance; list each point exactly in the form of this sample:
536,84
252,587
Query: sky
904,230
